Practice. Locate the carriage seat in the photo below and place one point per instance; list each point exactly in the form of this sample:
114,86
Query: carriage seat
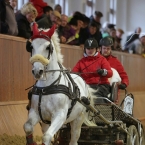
113,97
114,92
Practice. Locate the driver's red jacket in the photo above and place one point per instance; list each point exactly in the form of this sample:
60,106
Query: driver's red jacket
116,64
88,66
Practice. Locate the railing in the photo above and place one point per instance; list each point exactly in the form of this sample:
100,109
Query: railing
15,71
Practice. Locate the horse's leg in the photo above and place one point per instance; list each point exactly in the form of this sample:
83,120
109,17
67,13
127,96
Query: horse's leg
76,129
56,122
33,119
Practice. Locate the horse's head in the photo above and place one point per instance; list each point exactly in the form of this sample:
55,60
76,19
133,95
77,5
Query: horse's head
42,50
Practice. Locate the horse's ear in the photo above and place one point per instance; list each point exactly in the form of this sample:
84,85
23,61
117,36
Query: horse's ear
29,46
51,31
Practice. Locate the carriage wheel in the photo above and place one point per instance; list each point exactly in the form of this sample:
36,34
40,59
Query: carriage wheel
132,137
142,137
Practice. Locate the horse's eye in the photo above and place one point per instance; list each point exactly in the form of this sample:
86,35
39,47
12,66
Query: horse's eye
47,48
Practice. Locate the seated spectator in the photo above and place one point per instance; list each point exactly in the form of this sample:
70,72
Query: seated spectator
94,32
138,46
115,46
131,38
70,35
119,34
48,20
47,10
106,29
80,23
97,18
8,20
13,3
27,15
84,31
63,29
39,5
58,8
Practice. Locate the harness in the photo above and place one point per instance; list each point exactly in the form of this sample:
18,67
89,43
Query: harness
54,88
72,91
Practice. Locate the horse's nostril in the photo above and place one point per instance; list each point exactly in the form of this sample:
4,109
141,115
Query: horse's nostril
40,72
32,71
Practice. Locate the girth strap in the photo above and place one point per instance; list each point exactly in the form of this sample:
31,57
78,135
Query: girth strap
53,89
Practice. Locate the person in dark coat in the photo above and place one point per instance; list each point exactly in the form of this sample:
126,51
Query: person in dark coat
94,32
48,20
24,19
3,25
97,18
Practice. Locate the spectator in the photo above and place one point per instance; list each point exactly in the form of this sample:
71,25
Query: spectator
47,21
70,34
13,3
58,8
80,24
84,31
11,20
47,11
97,18
7,18
106,29
94,32
63,28
94,69
115,46
39,5
106,45
119,34
138,46
27,15
131,38
3,24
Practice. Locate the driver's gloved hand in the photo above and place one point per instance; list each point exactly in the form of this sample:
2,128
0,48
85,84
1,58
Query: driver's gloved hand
122,86
102,72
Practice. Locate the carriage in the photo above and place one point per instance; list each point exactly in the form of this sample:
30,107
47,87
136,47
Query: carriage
62,102
115,125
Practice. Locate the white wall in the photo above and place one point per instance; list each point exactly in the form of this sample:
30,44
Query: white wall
135,14
129,15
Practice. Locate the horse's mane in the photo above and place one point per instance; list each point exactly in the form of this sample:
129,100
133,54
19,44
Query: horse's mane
56,41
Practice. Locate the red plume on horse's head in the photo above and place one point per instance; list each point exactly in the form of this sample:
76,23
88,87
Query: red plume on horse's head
35,30
51,31
42,34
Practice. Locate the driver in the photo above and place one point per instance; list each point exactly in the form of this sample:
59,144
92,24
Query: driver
94,69
106,45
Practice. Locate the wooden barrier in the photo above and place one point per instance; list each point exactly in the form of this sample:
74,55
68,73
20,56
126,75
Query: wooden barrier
15,72
15,77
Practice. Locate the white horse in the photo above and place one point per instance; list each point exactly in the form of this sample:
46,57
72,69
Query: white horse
52,98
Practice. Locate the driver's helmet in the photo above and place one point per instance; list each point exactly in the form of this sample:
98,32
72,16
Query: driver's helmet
106,41
91,43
